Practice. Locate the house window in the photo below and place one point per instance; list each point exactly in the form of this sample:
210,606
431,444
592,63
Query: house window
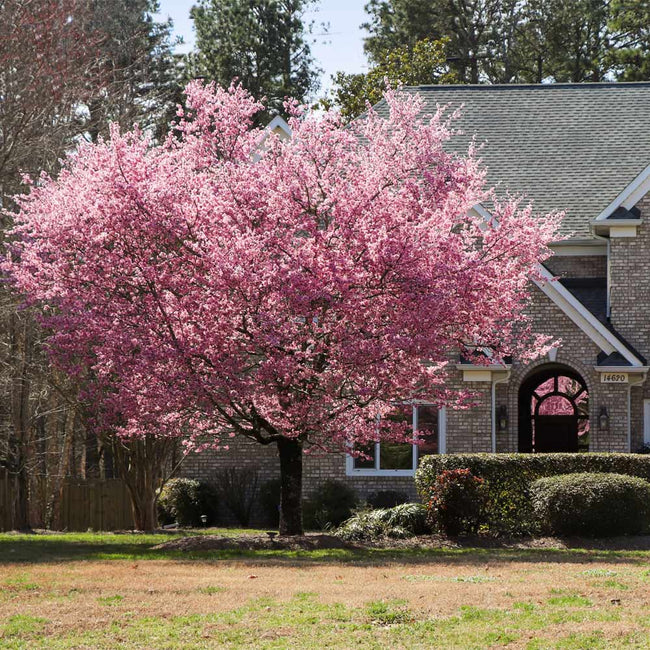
401,459
646,422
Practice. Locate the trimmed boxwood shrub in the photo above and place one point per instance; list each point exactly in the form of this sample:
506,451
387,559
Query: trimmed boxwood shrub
593,505
184,500
508,477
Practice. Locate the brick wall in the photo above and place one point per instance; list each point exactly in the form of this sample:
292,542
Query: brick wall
263,461
577,351
630,303
583,266
630,283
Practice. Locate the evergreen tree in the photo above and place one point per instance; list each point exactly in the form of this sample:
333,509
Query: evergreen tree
263,43
631,20
143,74
422,64
480,32
522,41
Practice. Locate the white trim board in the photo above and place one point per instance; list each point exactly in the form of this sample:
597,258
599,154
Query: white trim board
583,318
574,309
630,196
350,470
646,421
279,123
632,370
579,248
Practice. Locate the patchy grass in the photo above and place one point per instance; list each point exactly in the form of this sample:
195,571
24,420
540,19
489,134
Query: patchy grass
105,591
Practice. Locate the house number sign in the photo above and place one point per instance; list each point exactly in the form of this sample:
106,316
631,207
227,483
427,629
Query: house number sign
613,378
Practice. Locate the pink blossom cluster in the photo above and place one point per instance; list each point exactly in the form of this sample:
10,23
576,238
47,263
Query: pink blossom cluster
209,287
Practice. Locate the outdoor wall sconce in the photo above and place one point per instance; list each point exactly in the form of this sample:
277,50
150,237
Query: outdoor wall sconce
603,419
502,418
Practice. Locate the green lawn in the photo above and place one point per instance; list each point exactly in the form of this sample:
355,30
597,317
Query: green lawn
107,591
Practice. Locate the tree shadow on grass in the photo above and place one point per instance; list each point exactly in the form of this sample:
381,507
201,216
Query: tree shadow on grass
44,548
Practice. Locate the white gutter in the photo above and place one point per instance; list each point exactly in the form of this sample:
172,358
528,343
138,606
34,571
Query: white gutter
631,370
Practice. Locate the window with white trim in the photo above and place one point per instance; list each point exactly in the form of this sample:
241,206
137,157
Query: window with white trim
646,422
402,459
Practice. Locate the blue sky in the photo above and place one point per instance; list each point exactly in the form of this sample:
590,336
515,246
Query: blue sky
340,49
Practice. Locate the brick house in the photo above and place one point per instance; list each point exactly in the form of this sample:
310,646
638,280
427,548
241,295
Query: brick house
583,149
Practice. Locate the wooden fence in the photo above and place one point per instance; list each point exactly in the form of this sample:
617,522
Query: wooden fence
95,504
6,504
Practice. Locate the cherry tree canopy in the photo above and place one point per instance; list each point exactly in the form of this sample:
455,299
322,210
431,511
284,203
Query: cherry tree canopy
228,282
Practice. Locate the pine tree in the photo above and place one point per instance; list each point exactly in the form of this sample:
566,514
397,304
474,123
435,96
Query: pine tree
143,74
262,43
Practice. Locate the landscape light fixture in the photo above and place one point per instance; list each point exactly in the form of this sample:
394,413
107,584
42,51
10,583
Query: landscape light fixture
502,418
603,419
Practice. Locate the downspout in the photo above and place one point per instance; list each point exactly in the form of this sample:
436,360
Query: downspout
494,407
639,381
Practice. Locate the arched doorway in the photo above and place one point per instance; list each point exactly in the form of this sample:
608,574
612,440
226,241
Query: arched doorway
553,411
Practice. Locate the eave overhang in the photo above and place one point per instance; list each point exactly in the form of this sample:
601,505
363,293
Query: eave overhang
604,338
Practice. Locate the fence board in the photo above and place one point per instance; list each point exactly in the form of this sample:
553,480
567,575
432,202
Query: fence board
96,504
6,503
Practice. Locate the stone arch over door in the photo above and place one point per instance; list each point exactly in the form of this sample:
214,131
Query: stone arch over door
553,410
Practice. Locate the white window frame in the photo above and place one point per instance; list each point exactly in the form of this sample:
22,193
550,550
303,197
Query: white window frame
351,470
646,421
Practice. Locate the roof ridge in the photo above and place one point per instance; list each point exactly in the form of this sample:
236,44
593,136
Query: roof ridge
562,85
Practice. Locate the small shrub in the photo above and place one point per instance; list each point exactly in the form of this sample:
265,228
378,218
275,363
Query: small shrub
184,500
456,502
365,525
330,505
387,499
592,504
412,517
401,521
269,497
237,487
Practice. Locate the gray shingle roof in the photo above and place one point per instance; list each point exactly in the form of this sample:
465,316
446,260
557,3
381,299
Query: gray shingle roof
571,147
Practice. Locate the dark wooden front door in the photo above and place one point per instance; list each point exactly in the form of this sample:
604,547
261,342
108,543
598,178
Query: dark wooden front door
556,433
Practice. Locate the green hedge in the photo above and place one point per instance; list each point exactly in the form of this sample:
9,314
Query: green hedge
508,479
593,505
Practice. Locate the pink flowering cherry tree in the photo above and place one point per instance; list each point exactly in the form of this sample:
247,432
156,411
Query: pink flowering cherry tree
230,283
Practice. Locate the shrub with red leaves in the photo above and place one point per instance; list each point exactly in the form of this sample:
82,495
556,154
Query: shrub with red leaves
456,502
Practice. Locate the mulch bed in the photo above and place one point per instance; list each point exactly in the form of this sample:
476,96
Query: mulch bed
315,541
309,542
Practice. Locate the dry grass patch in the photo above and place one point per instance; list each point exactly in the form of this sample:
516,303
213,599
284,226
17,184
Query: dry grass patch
470,600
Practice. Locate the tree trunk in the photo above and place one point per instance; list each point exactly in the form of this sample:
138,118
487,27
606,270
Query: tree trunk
56,490
22,521
145,466
143,504
290,451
